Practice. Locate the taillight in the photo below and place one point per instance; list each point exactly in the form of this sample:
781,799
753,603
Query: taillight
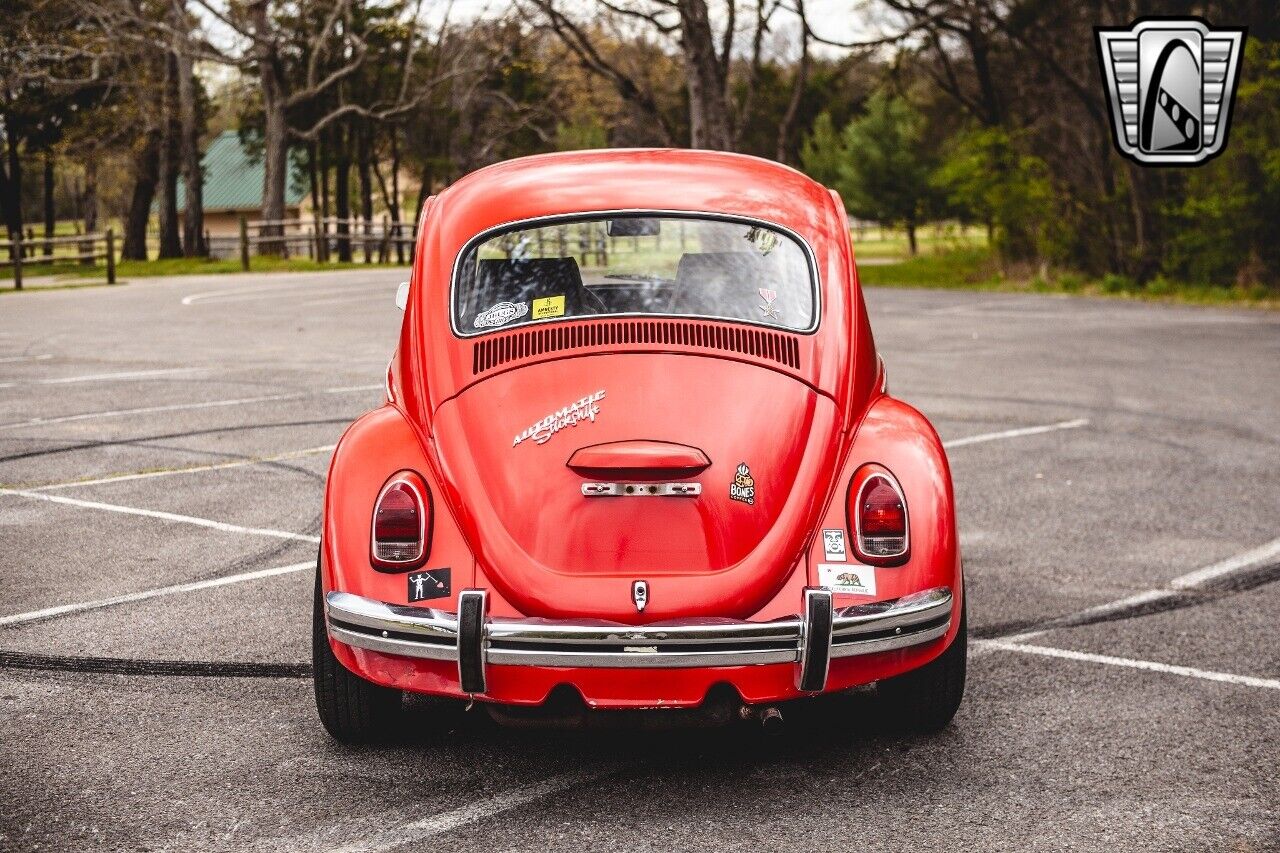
878,518
402,523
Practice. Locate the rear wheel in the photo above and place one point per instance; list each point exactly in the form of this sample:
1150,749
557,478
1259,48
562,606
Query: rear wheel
352,710
925,699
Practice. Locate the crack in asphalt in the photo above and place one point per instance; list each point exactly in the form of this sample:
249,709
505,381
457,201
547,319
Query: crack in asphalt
1168,600
142,441
136,666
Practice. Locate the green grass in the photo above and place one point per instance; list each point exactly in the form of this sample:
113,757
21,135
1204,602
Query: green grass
968,269
876,242
977,269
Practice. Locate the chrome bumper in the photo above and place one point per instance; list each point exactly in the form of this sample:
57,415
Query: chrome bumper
474,641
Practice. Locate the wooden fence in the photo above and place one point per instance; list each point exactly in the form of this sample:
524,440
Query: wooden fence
321,239
37,251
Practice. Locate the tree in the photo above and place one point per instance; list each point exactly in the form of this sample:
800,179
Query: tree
986,177
302,56
52,68
705,57
822,153
885,165
1227,228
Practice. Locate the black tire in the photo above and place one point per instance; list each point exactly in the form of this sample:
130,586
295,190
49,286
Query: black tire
352,710
924,700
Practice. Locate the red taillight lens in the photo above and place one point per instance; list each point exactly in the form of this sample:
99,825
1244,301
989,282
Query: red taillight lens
878,518
402,523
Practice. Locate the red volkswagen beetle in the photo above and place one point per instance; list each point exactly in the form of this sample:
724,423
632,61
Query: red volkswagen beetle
637,452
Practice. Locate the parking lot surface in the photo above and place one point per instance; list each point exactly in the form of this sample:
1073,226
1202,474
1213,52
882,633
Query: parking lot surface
163,451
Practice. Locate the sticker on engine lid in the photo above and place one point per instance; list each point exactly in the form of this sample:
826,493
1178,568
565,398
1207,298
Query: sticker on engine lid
854,580
743,487
833,546
424,586
548,306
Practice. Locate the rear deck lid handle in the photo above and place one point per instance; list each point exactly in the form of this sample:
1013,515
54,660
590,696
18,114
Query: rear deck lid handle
638,460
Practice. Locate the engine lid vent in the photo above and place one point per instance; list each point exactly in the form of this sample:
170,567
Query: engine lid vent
760,343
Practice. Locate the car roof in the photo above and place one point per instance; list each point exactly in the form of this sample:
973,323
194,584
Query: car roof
632,179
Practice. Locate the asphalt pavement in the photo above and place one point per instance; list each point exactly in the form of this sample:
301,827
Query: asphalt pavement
163,450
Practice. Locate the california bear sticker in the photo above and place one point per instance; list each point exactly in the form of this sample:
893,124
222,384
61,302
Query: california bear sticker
424,586
743,487
854,580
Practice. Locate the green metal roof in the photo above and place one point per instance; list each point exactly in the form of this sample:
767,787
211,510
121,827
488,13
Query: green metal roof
233,176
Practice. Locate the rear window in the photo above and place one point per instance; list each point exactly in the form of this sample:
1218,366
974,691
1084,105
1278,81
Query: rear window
635,265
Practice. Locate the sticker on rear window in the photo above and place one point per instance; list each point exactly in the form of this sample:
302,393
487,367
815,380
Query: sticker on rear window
548,306
854,580
768,308
501,314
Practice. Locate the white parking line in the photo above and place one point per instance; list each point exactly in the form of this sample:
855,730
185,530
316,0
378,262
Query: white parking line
175,407
232,290
1151,666
1015,433
164,516
1259,556
110,377
80,607
11,359
391,833
283,289
194,469
1191,581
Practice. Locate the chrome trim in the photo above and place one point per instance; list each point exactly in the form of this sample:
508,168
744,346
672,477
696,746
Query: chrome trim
888,644
904,612
422,632
642,658
815,640
393,646
695,631
641,490
397,618
815,277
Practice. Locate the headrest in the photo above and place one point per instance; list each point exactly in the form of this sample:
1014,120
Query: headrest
712,283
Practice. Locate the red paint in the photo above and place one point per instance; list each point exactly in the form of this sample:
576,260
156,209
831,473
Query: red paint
512,519
638,459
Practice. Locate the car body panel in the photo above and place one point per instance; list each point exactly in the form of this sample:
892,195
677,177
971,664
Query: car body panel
802,411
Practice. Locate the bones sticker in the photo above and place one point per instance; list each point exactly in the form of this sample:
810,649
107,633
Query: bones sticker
743,487
768,308
427,585
833,546
583,410
501,314
855,580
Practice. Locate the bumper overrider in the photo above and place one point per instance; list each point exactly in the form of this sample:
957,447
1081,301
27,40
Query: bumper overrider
809,640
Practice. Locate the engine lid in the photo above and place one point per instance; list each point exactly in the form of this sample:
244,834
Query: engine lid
518,448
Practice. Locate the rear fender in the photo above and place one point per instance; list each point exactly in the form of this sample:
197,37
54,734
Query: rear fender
899,438
378,445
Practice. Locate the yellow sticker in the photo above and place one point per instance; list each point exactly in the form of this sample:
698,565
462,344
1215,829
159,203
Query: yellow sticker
550,306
